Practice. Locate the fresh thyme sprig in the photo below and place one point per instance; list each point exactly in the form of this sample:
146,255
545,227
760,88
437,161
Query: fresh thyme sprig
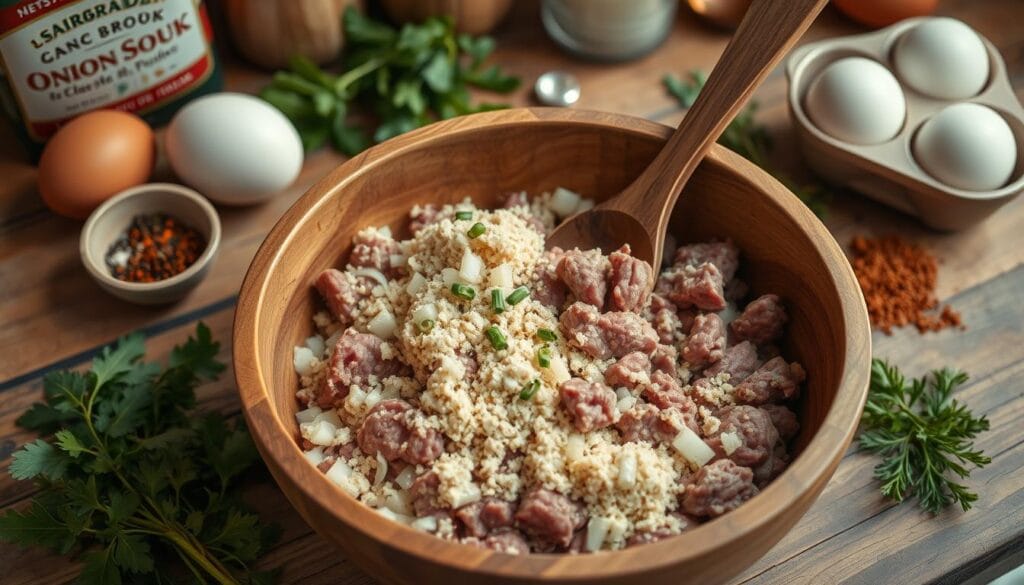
923,435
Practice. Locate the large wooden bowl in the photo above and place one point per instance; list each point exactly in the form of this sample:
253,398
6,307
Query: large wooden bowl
785,250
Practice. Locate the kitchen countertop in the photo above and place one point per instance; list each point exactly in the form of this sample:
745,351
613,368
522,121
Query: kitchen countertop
54,316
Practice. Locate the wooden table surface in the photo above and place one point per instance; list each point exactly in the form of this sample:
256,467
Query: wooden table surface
53,316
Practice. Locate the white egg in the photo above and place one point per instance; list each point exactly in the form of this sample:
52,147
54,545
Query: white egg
857,100
967,146
234,148
942,58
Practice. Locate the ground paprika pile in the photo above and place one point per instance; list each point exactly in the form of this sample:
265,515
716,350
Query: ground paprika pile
898,280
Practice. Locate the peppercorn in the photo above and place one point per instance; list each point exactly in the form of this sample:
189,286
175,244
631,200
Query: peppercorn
154,247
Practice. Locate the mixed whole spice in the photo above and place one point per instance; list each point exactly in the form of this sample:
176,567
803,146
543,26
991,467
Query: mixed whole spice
155,246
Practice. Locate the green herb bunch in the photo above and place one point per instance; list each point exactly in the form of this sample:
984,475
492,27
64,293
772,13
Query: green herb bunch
407,78
133,481
746,137
922,435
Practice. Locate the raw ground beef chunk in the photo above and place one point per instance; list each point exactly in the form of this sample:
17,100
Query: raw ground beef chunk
550,517
548,289
612,334
762,321
356,357
755,431
423,492
631,281
772,467
706,343
783,419
391,429
739,361
724,255
664,392
690,286
662,316
340,295
630,371
586,275
719,487
645,422
591,405
486,515
775,381
371,249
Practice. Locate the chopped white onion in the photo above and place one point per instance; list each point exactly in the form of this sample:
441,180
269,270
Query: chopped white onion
416,283
730,442
574,447
501,276
400,502
315,455
320,432
597,530
339,472
692,447
615,532
356,397
626,404
397,260
559,370
372,273
564,202
383,325
406,477
384,231
426,524
400,518
627,470
303,360
372,398
306,416
382,469
467,495
424,312
472,267
329,416
316,345
584,205
621,393
450,276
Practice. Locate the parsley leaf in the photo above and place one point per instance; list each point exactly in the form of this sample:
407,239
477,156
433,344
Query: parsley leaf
923,435
132,472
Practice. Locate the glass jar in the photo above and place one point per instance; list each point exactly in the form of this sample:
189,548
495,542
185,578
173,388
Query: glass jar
609,30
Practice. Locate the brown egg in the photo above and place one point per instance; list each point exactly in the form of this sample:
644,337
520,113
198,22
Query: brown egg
93,157
879,13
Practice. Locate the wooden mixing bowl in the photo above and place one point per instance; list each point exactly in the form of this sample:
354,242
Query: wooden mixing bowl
784,248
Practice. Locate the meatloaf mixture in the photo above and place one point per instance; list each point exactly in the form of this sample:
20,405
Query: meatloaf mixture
473,385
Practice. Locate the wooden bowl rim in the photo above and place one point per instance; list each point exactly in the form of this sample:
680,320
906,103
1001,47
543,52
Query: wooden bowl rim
815,464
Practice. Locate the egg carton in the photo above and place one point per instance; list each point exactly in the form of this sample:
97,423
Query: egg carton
888,172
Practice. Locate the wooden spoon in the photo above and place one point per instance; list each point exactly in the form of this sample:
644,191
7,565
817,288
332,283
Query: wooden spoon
639,214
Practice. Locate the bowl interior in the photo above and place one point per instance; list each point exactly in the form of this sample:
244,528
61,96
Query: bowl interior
784,252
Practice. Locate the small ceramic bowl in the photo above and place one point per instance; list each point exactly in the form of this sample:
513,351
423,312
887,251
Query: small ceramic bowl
109,221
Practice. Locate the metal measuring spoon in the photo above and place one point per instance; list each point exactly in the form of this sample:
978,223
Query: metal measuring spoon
557,88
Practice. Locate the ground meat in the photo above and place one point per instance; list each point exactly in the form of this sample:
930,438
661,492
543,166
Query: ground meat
390,429
423,215
586,275
762,321
724,255
753,427
503,541
774,381
664,391
631,281
739,361
706,342
630,371
612,334
772,467
371,249
548,289
719,487
484,516
689,286
662,316
784,420
645,422
356,357
423,492
664,359
550,517
591,405
340,295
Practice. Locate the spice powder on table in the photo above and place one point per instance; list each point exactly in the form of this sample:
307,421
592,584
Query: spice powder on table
898,280
155,246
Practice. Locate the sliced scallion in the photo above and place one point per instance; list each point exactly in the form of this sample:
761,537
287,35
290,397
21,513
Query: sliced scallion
425,325
529,389
497,301
544,356
517,296
477,230
463,291
547,335
496,337
463,215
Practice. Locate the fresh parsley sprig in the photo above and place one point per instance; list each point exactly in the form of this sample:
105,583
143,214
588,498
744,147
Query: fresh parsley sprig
746,137
923,436
407,78
133,480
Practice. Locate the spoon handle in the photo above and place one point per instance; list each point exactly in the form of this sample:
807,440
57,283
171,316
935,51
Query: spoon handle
769,29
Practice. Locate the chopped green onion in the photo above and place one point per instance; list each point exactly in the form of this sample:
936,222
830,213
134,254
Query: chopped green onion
497,337
463,291
497,301
425,325
544,356
463,215
529,389
477,230
547,335
517,296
